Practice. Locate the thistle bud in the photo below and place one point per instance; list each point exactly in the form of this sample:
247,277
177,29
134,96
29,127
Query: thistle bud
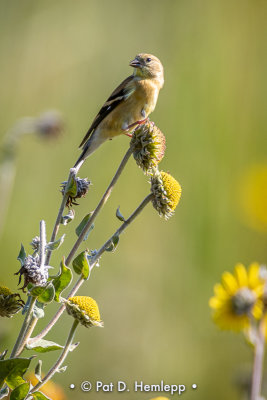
10,303
148,146
167,193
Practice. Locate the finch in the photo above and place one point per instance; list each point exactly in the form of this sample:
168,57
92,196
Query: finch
128,105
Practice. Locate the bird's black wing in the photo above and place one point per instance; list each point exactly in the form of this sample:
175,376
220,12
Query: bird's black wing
116,97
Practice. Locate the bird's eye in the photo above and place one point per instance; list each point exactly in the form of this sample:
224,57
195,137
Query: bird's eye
148,59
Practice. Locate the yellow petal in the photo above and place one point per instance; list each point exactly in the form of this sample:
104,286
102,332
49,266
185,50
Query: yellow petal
241,275
253,275
229,283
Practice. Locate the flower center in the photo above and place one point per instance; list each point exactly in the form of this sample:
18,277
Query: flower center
243,301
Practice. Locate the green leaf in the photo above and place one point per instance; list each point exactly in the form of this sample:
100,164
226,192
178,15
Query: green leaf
81,265
66,219
4,392
71,188
44,346
55,245
38,310
48,294
44,294
12,370
39,396
20,392
22,255
114,243
62,280
80,227
119,215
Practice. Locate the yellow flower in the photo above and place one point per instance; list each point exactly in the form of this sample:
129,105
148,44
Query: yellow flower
238,298
85,310
167,193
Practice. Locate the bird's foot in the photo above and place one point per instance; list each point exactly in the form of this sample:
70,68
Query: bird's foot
142,121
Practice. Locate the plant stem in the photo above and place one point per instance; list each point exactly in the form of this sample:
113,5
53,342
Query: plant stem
23,328
258,361
60,360
58,313
99,206
94,260
72,175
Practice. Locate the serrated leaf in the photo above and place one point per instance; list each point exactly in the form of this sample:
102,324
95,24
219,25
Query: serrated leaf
12,371
44,346
114,243
80,227
66,219
38,310
81,265
38,370
4,392
39,396
62,280
55,245
20,392
22,255
119,215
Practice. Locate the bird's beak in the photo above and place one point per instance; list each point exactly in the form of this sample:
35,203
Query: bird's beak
135,63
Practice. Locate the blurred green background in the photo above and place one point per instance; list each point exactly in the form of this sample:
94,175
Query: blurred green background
153,291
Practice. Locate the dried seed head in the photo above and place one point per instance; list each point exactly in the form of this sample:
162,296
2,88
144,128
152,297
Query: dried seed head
32,272
10,303
85,310
148,146
167,193
78,188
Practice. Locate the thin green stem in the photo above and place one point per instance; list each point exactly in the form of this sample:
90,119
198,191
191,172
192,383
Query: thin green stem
60,360
99,206
72,175
258,361
23,328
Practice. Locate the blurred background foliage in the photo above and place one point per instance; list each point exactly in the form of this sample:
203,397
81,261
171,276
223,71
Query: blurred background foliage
153,292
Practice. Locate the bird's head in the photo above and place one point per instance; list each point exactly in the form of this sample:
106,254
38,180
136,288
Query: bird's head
148,66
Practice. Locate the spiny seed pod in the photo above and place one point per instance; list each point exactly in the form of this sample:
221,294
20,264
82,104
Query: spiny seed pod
78,188
32,272
148,146
167,193
10,303
85,310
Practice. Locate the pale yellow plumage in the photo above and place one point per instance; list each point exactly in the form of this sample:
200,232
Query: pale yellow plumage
132,102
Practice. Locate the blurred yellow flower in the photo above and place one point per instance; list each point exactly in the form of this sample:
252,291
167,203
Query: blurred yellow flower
238,298
252,197
160,398
50,389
